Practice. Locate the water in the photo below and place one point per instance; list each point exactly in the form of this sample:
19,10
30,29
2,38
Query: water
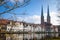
29,36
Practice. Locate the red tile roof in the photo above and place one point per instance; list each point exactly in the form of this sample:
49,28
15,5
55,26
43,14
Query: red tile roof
3,21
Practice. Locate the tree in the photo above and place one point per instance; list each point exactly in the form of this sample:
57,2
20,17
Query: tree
12,6
1,0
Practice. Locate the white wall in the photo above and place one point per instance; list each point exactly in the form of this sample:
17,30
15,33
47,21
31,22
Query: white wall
8,27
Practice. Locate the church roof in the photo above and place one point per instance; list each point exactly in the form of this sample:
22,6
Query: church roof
47,24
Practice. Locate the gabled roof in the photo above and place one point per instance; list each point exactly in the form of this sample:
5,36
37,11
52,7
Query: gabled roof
3,21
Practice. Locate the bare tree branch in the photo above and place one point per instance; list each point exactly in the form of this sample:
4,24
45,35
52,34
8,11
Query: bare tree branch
24,4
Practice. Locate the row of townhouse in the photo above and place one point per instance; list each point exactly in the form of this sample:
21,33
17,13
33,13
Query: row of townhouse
29,27
16,26
25,27
20,26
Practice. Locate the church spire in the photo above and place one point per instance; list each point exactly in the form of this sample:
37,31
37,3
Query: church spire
42,17
48,15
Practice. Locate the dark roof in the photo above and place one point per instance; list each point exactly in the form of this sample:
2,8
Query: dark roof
6,21
47,24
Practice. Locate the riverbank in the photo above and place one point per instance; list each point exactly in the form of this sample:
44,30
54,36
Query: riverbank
51,38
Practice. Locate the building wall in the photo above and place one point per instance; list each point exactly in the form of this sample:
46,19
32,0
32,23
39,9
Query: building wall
18,27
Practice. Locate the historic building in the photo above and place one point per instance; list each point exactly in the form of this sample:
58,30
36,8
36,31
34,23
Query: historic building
31,28
47,25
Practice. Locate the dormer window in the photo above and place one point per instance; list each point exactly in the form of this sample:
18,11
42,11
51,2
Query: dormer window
30,25
8,22
25,25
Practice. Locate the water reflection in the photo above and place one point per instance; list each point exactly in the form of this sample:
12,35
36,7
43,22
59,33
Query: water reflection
29,36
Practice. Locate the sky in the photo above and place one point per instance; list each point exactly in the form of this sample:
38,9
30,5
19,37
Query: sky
33,11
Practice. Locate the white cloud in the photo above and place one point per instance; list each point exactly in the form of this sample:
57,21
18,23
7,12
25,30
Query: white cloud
31,19
36,18
54,18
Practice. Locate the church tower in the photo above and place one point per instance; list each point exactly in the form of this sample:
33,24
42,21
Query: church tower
42,17
48,15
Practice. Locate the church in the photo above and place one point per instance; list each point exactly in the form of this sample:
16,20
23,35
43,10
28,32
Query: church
47,24
31,28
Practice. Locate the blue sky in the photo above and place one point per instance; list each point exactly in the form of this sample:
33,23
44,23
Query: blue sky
33,9
36,6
